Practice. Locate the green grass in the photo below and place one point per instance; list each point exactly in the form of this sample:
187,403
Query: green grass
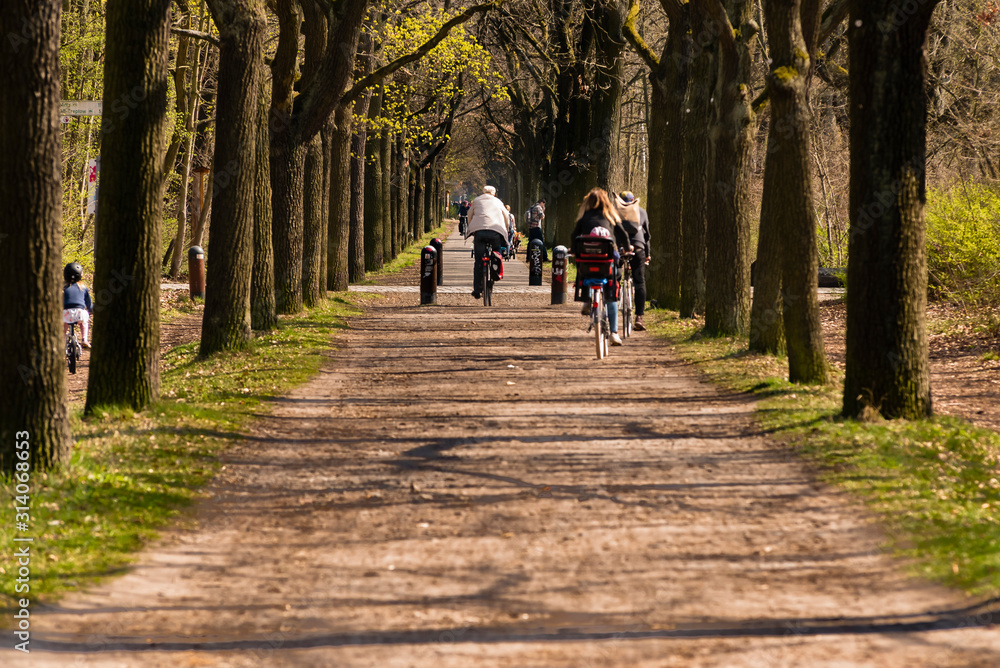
131,473
933,483
409,256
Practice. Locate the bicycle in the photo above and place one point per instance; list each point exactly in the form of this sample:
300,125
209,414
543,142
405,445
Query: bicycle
489,270
74,350
627,305
463,223
595,268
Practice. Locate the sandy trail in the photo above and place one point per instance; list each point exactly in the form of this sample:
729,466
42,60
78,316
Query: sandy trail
470,487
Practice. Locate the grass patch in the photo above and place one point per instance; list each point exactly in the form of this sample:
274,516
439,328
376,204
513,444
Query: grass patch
934,482
408,257
131,473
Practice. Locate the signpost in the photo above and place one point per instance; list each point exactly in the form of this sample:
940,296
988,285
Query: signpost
70,108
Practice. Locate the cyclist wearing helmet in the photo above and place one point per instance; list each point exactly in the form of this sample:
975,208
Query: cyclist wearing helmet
77,306
598,216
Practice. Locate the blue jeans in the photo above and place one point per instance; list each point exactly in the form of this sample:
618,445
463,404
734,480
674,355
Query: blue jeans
613,316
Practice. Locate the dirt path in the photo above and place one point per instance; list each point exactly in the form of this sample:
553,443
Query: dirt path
469,487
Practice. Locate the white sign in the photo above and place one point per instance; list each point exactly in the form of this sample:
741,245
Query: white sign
80,107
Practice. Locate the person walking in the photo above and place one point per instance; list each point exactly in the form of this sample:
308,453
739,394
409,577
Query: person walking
635,220
487,225
534,216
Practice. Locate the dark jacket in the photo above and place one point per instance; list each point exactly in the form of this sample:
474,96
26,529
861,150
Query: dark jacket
593,218
77,296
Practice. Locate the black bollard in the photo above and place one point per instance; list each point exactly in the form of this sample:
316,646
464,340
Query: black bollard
559,275
439,247
428,275
196,271
536,251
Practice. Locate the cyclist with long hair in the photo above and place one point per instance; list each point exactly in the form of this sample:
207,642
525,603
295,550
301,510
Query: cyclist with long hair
596,211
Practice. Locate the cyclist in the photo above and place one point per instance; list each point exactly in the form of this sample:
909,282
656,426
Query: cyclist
597,213
487,225
77,306
463,215
635,220
534,217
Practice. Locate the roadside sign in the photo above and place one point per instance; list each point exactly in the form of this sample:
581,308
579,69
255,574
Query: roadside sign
80,108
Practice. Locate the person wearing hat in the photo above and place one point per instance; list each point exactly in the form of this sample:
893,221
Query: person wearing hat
77,306
635,220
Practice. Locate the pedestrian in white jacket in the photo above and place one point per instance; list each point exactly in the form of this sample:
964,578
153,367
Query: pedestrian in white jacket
487,225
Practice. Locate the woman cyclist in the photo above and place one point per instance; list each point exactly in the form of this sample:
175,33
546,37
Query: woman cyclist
598,212
77,306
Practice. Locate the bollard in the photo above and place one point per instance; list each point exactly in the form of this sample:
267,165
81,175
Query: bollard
535,253
428,275
196,271
559,275
439,247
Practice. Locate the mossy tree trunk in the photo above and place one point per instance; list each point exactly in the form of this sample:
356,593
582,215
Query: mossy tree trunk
33,364
263,312
125,360
887,366
314,219
791,202
226,323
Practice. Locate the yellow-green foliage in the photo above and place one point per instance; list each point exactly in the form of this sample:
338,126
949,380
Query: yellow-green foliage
963,243
457,58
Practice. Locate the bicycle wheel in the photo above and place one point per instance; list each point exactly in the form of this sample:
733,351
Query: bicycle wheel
487,290
598,323
627,307
71,353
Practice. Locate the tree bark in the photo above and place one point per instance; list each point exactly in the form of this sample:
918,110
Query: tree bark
701,53
263,311
314,220
125,359
226,323
33,366
385,158
887,366
788,205
727,275
374,200
339,231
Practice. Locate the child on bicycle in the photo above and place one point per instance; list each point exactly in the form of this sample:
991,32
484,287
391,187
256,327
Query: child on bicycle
598,216
77,306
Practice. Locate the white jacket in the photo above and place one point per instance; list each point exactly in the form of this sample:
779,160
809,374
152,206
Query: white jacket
487,213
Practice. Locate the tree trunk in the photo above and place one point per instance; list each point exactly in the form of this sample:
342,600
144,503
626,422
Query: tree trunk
324,242
666,168
314,220
385,158
702,55
340,202
33,416
374,200
263,310
727,275
125,359
226,323
789,199
887,358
